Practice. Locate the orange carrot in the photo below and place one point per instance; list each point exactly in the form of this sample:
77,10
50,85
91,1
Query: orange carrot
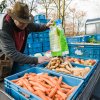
56,78
49,98
48,81
20,83
16,80
63,95
53,91
27,84
25,87
54,82
32,74
45,85
38,84
66,86
73,88
60,80
26,75
57,97
38,88
41,95
64,90
43,75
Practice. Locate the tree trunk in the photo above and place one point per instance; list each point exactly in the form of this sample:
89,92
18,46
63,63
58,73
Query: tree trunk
73,24
46,12
63,14
59,9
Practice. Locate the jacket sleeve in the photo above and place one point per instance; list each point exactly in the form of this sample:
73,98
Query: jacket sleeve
8,47
35,27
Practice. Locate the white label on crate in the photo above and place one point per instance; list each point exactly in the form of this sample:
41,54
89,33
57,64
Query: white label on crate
78,52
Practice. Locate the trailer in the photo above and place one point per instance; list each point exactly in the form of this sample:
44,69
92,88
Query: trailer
92,26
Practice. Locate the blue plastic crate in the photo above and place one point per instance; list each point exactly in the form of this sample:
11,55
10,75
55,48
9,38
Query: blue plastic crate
94,66
46,40
30,36
41,39
85,78
15,94
45,44
84,38
31,52
37,50
36,40
46,34
46,48
87,37
84,50
18,68
26,51
74,39
35,35
41,34
67,79
30,46
40,16
97,36
29,40
35,45
44,21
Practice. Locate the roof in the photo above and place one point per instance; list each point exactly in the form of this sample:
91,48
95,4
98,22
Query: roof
91,21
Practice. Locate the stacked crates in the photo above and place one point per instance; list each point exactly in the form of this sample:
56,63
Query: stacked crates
75,39
38,42
84,38
19,93
26,51
40,19
39,16
79,46
84,51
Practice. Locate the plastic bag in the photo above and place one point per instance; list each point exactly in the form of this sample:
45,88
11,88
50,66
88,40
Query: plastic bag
58,43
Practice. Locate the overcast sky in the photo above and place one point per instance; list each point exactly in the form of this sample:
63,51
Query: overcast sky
92,7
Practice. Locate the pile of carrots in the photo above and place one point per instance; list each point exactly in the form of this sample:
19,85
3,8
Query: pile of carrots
45,86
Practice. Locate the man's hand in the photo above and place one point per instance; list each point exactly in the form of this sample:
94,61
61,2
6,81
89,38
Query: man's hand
43,59
51,22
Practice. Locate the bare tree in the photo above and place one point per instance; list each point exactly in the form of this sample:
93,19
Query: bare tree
32,5
79,20
73,11
46,4
12,1
3,5
61,6
76,18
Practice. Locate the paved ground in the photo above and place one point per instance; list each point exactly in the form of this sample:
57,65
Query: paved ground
3,95
2,85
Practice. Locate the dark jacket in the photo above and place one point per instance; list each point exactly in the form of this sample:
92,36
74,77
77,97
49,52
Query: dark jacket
7,41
